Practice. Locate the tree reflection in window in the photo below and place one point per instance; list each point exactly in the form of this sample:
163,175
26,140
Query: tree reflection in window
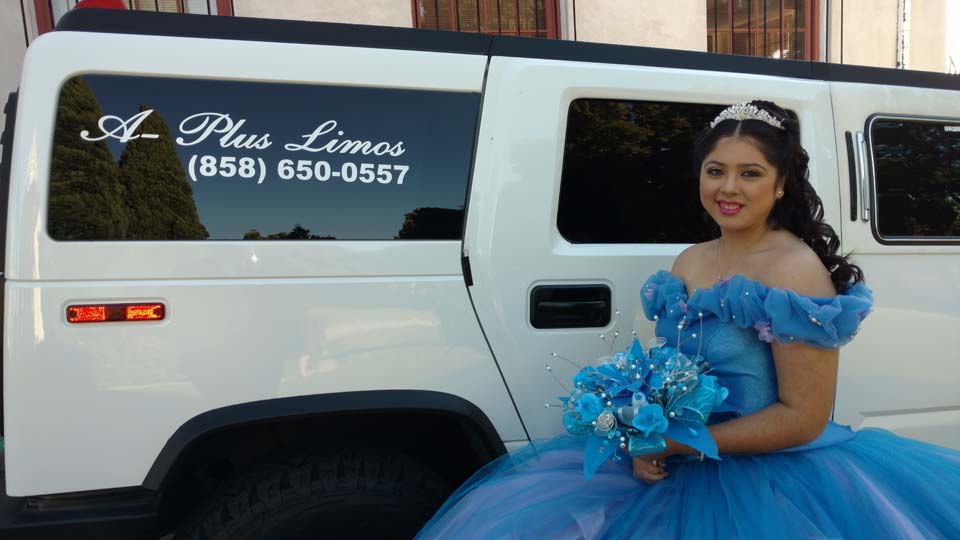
628,175
917,170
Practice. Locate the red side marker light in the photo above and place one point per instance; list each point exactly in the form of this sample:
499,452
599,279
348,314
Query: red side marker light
145,312
79,314
91,313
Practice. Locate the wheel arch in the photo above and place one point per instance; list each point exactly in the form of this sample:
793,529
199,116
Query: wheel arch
444,430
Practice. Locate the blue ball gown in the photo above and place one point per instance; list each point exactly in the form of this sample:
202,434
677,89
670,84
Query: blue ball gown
868,484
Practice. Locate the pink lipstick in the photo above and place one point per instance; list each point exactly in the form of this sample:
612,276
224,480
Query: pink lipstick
729,208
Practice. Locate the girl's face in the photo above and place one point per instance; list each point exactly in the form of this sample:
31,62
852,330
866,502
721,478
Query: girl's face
738,186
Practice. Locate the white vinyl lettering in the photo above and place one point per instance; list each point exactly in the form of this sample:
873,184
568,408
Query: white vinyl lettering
314,142
230,134
207,123
349,172
123,130
322,129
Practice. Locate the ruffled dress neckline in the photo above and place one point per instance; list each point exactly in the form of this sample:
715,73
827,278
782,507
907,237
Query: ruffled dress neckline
776,314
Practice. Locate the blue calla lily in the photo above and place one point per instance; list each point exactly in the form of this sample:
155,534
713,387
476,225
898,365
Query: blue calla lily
586,378
695,404
636,350
660,355
611,371
720,392
616,390
697,438
656,380
598,450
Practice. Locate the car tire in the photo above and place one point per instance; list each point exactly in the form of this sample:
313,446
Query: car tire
325,494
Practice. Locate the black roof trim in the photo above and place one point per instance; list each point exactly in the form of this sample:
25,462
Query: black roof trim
382,37
579,51
890,76
670,58
110,21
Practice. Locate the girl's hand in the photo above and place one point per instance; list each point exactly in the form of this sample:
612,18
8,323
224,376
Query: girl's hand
649,470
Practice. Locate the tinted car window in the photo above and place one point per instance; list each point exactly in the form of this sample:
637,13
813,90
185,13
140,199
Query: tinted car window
147,158
917,173
628,174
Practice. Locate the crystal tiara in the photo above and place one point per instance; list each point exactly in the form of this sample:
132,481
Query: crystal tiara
746,111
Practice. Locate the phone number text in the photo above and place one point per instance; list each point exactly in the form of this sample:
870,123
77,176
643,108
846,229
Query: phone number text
201,166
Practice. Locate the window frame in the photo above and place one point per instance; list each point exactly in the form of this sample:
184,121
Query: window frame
551,9
45,22
811,40
872,184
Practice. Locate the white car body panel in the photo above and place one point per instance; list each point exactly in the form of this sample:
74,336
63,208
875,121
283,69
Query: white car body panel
246,321
900,372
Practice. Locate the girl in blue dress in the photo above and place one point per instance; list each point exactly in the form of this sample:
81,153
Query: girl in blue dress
768,304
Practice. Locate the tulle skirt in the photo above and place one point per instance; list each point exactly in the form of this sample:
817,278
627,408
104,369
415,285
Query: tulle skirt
874,486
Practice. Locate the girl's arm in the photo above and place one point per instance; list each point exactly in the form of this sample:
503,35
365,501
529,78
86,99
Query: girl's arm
806,378
806,381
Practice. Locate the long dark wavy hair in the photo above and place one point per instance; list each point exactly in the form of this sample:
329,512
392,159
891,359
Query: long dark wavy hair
800,209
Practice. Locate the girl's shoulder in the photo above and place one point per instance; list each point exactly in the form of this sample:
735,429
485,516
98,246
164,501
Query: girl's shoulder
792,264
693,259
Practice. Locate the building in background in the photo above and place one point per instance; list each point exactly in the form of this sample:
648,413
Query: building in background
908,34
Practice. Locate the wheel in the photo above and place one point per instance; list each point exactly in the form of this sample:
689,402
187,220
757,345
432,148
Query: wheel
348,493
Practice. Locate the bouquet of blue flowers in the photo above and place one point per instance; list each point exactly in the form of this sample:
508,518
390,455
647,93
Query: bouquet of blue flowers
630,401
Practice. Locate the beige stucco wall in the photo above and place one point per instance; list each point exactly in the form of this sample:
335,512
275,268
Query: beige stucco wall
378,12
869,32
953,36
928,35
12,47
677,24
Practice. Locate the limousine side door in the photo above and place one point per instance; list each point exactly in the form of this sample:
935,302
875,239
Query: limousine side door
582,188
901,220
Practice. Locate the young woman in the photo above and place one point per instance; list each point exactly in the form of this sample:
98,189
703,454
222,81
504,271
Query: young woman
768,304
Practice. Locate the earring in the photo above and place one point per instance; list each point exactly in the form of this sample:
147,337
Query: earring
779,193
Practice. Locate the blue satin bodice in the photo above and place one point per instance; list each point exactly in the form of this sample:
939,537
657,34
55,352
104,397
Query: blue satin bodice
733,323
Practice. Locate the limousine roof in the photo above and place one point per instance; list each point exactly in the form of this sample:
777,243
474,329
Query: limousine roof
321,33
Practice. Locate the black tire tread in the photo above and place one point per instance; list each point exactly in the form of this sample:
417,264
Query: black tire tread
287,481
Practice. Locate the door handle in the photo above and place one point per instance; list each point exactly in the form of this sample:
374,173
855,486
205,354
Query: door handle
852,157
570,306
864,176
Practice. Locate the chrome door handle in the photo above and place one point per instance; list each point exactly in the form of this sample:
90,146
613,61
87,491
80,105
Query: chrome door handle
864,177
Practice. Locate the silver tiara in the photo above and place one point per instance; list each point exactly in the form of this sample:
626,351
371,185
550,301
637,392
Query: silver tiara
746,111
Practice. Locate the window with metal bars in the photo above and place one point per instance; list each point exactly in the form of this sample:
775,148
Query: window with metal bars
770,28
531,18
50,11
